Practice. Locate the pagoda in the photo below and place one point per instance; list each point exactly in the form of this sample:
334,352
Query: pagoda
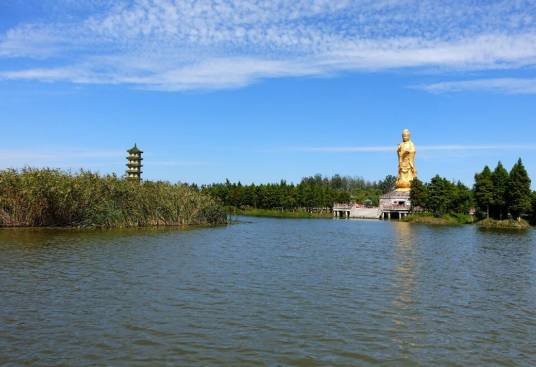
134,163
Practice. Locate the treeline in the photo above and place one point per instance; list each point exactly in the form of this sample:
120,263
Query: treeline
48,197
312,192
441,196
497,195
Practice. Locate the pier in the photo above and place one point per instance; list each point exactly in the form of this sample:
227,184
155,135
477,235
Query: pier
352,210
394,205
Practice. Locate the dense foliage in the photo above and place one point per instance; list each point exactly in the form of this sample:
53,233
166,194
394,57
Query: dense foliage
518,197
46,197
484,190
441,196
500,193
495,194
312,192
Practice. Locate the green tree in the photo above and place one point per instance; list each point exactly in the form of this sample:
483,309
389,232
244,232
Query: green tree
500,180
337,182
342,197
519,192
440,195
419,194
462,200
387,184
483,190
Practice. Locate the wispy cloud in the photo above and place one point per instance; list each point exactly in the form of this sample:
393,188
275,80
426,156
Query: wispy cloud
174,163
80,158
17,154
213,44
501,85
421,148
345,149
60,158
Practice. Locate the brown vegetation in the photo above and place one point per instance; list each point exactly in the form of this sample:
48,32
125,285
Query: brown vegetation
49,197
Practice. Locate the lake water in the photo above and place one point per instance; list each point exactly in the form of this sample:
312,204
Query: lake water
269,292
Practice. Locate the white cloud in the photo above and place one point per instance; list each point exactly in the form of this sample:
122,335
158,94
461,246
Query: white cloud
420,148
65,158
175,163
212,44
28,40
68,158
346,149
503,85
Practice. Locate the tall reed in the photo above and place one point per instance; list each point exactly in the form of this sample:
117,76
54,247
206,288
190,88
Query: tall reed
51,197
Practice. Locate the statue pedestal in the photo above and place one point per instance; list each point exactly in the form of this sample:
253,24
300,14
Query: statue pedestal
396,204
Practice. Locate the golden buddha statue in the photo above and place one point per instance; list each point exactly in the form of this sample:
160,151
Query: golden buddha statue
406,162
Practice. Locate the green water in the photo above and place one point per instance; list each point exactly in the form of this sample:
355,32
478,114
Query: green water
269,292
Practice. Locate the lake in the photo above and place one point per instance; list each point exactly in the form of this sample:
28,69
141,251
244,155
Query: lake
269,292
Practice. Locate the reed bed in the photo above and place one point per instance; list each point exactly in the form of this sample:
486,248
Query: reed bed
51,197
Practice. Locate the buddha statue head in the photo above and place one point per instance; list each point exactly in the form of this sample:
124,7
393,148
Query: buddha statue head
406,135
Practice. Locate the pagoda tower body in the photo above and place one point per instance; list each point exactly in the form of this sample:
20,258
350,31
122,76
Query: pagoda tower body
134,163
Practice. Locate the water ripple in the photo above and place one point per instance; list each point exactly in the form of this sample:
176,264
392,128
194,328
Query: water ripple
269,293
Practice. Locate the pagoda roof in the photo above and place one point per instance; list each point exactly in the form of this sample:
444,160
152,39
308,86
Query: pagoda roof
138,164
134,150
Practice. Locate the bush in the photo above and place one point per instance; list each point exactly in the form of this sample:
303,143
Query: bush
503,224
50,197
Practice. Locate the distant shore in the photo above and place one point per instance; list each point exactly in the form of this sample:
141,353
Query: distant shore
460,219
275,213
421,218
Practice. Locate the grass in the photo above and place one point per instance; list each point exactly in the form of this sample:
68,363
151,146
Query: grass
447,219
503,224
50,197
275,213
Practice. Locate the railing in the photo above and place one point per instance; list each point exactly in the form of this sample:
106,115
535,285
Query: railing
342,206
396,207
347,206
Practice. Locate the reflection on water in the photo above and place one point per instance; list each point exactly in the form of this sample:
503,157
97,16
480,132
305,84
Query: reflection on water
405,320
405,254
269,292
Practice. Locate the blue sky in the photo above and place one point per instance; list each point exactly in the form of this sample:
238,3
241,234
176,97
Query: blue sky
260,91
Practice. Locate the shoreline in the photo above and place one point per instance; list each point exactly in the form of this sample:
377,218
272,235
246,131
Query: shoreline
283,214
508,224
451,219
445,220
205,223
110,228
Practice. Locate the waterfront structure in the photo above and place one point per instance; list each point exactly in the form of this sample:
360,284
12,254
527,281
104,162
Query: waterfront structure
395,204
134,164
353,210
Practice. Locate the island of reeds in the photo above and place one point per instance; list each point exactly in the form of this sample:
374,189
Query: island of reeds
51,197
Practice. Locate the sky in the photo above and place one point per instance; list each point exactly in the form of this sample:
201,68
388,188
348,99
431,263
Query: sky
259,91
